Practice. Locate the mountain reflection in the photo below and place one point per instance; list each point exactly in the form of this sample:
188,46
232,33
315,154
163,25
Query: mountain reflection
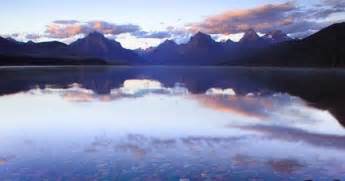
144,128
320,88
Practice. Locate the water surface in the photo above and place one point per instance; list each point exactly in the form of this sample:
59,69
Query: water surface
160,123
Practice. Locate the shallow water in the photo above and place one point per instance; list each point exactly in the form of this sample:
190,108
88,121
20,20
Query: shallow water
160,123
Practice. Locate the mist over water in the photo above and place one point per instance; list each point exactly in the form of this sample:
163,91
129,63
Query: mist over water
168,127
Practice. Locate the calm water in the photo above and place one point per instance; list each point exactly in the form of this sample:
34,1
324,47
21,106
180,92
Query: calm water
159,123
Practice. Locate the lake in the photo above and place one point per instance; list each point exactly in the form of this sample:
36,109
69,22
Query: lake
171,123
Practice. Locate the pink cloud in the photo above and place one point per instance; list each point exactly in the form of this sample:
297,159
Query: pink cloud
70,28
261,18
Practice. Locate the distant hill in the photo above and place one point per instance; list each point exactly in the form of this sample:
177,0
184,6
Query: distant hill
54,48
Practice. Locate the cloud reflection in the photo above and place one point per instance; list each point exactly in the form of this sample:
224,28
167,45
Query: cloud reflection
277,108
223,100
240,105
148,122
286,165
296,134
5,159
131,88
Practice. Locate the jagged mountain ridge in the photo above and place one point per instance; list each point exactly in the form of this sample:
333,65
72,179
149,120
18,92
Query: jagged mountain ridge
97,45
322,49
203,50
92,46
272,49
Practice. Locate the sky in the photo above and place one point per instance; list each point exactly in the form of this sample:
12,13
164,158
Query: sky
145,23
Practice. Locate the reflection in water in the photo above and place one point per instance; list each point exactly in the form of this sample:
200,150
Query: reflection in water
144,130
285,165
320,88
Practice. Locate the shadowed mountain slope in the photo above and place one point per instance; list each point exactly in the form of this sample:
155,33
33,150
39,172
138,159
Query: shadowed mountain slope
322,49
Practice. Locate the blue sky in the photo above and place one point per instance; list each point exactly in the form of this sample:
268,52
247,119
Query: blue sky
33,16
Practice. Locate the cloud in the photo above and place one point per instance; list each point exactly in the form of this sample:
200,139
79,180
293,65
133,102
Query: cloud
335,3
69,28
155,34
261,18
14,35
180,35
23,37
66,22
325,9
32,36
286,16
110,28
61,29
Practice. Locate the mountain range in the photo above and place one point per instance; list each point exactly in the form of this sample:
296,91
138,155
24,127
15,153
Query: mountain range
203,50
322,49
